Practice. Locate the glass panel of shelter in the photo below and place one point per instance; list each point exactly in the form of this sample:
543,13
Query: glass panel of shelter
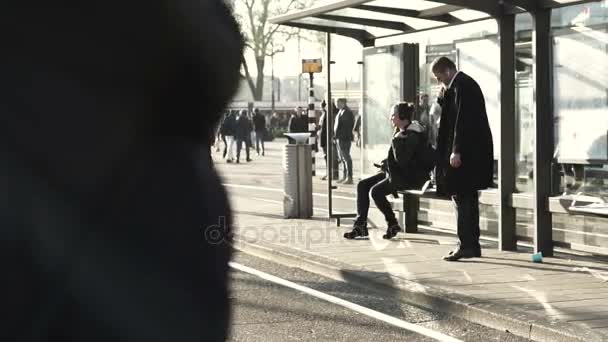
580,73
580,88
381,90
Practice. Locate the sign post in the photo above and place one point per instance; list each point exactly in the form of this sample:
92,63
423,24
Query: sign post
311,67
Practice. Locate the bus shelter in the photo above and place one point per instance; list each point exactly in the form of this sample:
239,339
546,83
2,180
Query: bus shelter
542,65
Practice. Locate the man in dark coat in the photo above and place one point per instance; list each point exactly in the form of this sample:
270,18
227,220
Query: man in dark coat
399,171
228,130
466,158
115,226
259,124
275,122
323,121
297,122
243,135
343,136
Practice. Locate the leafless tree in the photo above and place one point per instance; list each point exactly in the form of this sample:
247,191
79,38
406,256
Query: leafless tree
262,38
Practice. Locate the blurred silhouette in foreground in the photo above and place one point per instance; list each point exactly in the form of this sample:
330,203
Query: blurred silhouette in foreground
114,224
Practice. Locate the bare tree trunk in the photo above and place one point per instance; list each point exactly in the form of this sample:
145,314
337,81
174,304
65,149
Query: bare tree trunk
248,77
259,84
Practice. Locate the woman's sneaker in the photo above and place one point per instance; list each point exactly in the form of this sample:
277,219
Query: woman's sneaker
358,231
392,231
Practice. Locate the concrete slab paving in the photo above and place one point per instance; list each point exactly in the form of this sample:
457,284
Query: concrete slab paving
563,298
552,291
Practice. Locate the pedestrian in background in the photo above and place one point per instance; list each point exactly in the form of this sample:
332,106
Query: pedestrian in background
297,123
259,123
243,135
465,148
323,121
228,131
422,114
220,136
357,131
343,136
274,123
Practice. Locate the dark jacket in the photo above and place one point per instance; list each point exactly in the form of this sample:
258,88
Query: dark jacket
297,124
274,122
464,129
259,122
243,128
346,123
228,127
323,131
401,164
110,207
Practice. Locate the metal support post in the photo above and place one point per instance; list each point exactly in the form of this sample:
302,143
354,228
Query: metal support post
507,240
329,130
544,127
330,136
312,121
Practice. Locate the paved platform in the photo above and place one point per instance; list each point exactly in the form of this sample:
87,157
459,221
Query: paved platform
563,299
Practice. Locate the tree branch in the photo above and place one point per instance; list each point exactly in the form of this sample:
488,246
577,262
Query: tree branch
273,52
252,27
248,76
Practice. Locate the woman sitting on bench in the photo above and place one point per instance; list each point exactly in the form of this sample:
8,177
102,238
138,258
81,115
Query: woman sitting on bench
397,172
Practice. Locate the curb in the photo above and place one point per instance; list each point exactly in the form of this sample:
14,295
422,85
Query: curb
495,316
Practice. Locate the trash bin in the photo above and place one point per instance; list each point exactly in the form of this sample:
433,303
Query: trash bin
297,177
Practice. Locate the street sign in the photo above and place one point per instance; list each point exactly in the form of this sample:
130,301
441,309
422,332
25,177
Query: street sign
311,66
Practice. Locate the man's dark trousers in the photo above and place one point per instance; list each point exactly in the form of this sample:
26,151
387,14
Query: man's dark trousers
380,187
239,145
259,139
347,160
334,157
467,208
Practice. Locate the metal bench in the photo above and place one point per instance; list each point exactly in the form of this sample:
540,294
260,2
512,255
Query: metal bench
411,205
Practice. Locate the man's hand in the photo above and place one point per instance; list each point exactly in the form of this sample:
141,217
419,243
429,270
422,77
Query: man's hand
381,166
441,92
455,161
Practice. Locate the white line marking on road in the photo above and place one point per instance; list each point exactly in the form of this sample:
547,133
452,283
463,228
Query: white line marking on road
346,304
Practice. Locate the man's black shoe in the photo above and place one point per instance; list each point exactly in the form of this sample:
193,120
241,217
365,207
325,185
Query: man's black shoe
358,231
476,251
460,254
392,231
